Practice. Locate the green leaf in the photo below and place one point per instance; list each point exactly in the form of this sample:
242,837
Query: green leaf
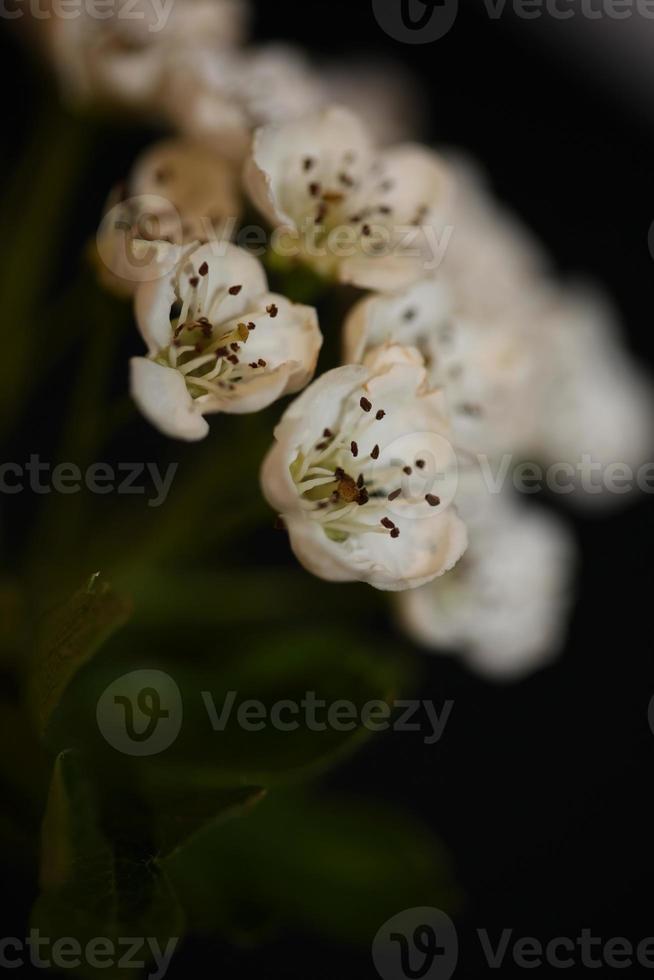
217,672
325,865
68,637
91,888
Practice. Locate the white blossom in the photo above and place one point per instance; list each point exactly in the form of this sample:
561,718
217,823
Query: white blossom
218,341
373,219
178,192
346,475
593,398
221,97
493,264
486,370
124,58
504,607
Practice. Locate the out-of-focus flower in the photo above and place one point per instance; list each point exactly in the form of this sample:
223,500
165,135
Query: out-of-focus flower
178,192
367,218
221,97
382,93
504,607
123,58
593,398
218,341
493,264
486,370
344,469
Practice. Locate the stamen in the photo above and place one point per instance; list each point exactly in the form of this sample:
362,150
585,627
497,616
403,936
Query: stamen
234,290
365,404
395,494
432,500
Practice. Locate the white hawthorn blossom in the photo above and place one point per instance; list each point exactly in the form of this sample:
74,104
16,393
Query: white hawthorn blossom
486,370
493,264
221,97
178,192
373,219
218,341
346,476
504,607
593,399
124,58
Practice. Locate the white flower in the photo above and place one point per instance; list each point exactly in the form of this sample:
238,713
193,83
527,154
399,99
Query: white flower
367,218
486,370
178,192
218,341
220,97
594,399
504,606
345,474
493,263
124,58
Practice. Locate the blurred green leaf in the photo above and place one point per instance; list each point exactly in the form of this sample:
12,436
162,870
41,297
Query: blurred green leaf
219,672
90,888
68,637
330,866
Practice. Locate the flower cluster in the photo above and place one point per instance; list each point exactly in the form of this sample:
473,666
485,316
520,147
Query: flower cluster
460,348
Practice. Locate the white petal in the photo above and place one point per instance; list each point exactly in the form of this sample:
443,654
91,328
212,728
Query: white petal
504,606
162,396
199,186
275,175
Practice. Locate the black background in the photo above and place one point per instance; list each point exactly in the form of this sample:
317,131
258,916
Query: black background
542,789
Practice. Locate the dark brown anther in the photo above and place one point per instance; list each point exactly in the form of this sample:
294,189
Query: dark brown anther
314,189
328,434
366,231
261,362
308,163
222,352
365,404
251,326
388,523
204,268
395,494
234,290
380,414
420,463
272,310
374,452
407,470
432,500
395,533
354,449
233,358
360,481
194,281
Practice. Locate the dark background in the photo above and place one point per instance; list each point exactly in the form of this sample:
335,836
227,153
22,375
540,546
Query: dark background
541,789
